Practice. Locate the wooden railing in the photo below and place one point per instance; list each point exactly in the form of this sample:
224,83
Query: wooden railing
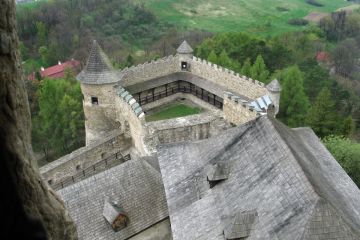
109,162
184,87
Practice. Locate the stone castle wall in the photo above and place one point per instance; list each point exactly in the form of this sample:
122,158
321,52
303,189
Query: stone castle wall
85,157
131,119
228,79
237,112
223,77
150,70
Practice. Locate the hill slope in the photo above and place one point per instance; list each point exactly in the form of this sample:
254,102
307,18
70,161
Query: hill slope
264,17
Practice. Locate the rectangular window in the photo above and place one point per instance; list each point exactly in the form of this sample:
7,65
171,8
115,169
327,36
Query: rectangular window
94,100
183,65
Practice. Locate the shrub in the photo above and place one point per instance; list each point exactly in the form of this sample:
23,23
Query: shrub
314,3
298,22
282,9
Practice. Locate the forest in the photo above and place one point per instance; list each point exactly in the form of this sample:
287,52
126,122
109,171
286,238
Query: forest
322,93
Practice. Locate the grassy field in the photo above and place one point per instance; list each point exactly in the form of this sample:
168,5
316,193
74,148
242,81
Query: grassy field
261,17
173,111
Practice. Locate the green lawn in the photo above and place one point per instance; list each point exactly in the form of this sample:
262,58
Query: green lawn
173,111
257,16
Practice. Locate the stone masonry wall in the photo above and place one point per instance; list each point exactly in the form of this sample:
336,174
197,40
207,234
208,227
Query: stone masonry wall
223,77
150,70
131,123
237,112
84,157
226,78
188,128
99,119
29,208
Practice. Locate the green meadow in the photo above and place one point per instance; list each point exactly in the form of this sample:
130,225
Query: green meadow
261,17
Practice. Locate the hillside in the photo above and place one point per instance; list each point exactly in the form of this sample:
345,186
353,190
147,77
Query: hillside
263,17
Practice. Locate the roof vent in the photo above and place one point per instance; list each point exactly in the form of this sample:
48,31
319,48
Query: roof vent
115,215
241,225
217,172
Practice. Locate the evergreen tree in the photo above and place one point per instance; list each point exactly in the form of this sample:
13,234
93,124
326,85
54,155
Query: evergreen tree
259,71
246,68
213,57
348,127
321,117
293,102
224,60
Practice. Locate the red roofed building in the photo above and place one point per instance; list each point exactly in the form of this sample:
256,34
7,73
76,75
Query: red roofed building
58,71
323,57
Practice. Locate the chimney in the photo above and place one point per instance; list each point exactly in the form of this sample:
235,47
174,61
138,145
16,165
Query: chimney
42,69
59,63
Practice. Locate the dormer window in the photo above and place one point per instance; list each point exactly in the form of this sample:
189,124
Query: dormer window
240,225
115,215
217,173
184,66
94,101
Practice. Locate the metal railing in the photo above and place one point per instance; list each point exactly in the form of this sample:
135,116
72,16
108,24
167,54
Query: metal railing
109,162
184,87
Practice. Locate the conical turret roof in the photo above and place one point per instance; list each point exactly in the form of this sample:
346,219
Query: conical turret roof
184,48
274,86
98,69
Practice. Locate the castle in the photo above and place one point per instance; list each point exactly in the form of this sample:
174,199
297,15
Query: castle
230,172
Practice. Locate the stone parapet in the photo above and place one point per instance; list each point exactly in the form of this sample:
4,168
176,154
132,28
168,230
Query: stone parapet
234,82
149,70
84,157
237,111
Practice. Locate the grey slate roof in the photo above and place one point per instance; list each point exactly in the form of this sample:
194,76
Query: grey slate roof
274,86
184,48
134,185
287,176
98,69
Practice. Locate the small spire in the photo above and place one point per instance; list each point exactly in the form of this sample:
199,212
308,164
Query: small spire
184,48
98,69
274,86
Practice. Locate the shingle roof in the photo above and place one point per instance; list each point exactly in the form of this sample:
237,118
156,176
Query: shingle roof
184,48
98,69
281,173
274,86
134,185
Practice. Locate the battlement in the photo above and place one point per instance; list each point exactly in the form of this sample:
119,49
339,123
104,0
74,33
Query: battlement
241,102
130,100
228,79
149,70
228,71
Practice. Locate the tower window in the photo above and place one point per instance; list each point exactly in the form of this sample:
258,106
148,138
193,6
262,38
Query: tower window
184,65
94,100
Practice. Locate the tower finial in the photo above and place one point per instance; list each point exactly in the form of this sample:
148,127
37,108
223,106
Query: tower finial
184,48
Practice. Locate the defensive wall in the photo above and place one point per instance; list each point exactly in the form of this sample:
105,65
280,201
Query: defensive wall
237,111
223,77
82,158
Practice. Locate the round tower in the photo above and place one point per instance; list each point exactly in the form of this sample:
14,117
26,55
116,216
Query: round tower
274,90
185,53
97,86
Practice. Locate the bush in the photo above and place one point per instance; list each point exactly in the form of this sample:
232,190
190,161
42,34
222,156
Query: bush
314,3
347,153
282,9
298,22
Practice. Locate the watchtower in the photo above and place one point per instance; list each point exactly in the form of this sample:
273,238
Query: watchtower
97,85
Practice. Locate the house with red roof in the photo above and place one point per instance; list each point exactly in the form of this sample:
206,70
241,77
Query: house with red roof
57,71
323,57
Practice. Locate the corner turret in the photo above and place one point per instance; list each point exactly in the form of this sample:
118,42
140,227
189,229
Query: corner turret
274,90
97,85
98,69
185,53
